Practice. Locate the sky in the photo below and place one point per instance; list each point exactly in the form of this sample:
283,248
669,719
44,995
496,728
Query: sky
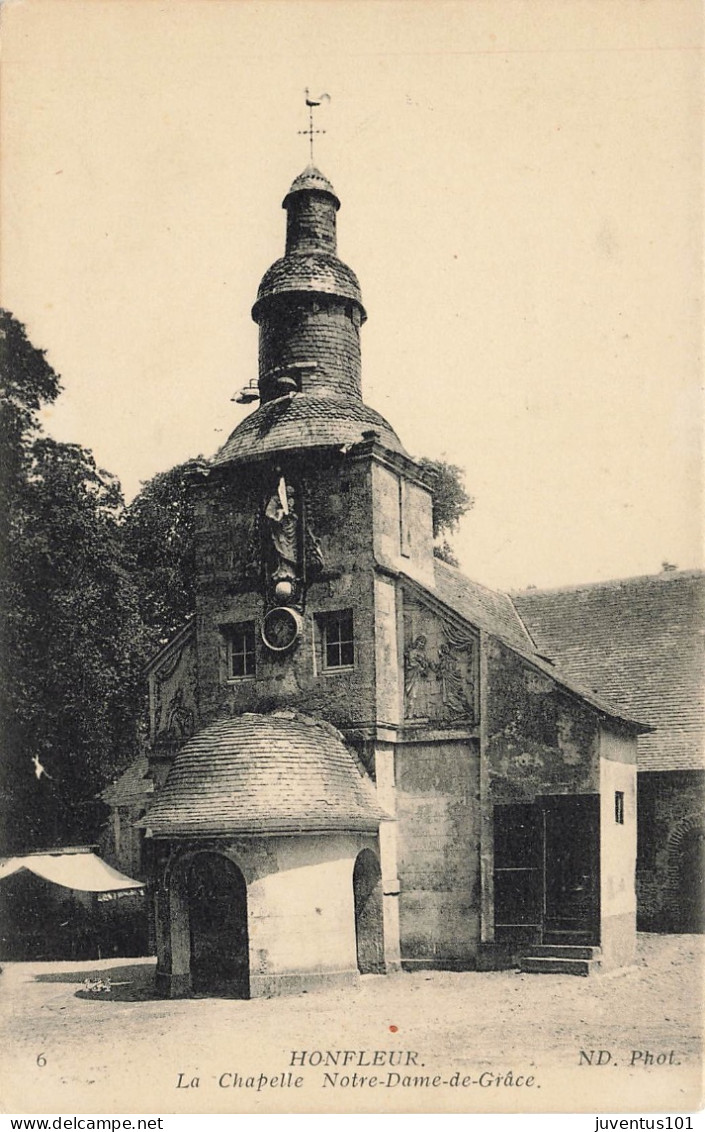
521,199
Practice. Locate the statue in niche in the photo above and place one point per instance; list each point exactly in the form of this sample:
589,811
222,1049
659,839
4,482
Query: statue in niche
283,531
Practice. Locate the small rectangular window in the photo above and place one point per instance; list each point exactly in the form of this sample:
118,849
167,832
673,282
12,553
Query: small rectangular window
619,807
241,651
338,641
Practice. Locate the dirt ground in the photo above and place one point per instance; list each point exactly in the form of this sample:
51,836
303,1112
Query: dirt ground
470,1042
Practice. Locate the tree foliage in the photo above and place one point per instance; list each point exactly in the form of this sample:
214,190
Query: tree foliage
71,638
27,382
158,537
450,502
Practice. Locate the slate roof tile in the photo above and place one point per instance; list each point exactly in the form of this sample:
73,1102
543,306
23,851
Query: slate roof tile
252,774
304,420
488,609
640,642
318,272
133,785
311,178
494,612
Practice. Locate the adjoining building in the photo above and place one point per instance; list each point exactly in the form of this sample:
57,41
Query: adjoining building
361,760
639,641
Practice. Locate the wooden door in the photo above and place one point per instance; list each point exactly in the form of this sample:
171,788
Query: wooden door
518,871
572,869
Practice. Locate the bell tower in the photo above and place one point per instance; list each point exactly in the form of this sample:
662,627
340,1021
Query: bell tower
309,307
309,498
308,521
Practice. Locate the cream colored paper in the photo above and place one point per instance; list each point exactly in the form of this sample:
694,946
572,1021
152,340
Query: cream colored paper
521,187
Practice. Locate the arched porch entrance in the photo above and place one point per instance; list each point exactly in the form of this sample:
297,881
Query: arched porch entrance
216,894
369,929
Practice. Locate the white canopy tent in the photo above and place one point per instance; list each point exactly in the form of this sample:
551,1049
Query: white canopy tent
81,870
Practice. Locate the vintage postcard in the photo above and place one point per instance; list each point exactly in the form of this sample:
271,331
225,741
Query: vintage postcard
352,570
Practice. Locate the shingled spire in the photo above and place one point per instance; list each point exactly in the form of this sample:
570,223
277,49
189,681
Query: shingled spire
309,307
309,311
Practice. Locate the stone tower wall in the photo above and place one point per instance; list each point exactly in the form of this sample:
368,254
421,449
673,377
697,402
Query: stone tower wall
230,592
310,223
321,331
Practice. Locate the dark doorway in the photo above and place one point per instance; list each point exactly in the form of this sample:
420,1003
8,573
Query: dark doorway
688,864
369,931
518,872
41,920
572,869
217,902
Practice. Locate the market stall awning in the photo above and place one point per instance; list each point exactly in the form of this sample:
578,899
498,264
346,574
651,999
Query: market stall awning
83,871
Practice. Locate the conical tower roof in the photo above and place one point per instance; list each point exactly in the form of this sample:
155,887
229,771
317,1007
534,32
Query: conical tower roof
311,179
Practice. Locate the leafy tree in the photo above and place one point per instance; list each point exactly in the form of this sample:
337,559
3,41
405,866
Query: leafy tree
158,537
71,639
445,552
450,502
27,382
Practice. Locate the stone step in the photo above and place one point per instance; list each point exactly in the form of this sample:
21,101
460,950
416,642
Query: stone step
564,951
570,936
554,965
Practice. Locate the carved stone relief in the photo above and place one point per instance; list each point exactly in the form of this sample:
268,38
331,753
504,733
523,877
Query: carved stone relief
439,673
180,718
315,561
252,559
174,695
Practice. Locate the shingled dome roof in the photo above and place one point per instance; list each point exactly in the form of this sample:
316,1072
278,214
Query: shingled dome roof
304,420
279,773
317,272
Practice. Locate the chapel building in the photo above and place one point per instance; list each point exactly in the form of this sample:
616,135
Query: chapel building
361,762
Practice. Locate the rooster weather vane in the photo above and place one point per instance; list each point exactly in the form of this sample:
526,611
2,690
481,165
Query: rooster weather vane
311,102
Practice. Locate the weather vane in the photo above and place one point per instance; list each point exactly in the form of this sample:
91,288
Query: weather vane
311,102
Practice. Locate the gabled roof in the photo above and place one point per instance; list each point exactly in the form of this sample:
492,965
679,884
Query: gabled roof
177,641
494,612
134,785
488,609
638,641
264,774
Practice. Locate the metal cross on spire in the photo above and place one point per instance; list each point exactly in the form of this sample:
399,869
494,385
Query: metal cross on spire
311,102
